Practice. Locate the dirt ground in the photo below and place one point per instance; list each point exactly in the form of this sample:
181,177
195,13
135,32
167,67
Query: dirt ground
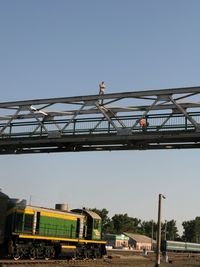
140,261
123,260
134,261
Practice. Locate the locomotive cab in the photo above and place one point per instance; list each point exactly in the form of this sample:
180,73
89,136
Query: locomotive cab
92,224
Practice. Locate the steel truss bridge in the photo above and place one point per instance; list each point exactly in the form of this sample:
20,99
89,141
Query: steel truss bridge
102,123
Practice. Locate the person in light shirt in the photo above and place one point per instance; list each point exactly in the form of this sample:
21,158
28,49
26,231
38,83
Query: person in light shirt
102,88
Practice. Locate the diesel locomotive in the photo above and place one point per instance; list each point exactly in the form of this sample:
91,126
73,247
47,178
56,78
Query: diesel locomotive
28,231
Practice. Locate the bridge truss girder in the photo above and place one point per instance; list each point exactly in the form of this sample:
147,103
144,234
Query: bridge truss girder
102,123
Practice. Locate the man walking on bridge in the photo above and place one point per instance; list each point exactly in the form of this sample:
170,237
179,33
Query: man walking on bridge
102,88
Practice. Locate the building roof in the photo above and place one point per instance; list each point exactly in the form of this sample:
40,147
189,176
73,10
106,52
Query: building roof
116,237
139,238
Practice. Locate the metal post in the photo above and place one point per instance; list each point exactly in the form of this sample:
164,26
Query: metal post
159,231
152,235
30,198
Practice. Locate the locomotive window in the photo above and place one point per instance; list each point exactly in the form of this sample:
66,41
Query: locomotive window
38,222
18,222
28,223
96,224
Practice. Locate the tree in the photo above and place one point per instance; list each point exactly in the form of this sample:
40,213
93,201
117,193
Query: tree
192,230
148,228
170,230
189,231
197,229
124,223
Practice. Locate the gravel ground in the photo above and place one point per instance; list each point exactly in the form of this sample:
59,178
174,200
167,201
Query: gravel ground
121,259
131,261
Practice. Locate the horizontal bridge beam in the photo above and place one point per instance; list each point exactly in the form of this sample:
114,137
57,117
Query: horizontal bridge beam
101,143
135,94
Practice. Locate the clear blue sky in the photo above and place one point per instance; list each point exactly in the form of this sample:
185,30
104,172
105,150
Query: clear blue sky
57,48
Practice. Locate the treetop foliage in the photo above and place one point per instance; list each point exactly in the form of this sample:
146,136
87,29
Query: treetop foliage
121,223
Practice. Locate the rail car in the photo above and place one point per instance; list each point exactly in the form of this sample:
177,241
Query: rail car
35,232
175,246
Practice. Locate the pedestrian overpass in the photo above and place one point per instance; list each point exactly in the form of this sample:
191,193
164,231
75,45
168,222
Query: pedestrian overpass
102,123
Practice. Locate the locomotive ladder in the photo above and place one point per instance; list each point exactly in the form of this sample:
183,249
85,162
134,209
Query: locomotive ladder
102,123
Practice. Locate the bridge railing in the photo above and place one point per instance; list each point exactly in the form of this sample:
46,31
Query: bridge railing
99,125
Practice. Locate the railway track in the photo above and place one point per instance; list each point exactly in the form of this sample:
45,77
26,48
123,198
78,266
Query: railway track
86,262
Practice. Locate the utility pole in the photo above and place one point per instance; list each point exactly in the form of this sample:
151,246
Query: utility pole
159,230
152,235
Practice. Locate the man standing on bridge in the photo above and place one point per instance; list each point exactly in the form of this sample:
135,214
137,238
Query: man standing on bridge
102,88
143,124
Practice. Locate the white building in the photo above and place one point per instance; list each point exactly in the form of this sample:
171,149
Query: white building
139,242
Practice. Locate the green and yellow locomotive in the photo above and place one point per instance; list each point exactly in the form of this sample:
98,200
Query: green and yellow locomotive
35,232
